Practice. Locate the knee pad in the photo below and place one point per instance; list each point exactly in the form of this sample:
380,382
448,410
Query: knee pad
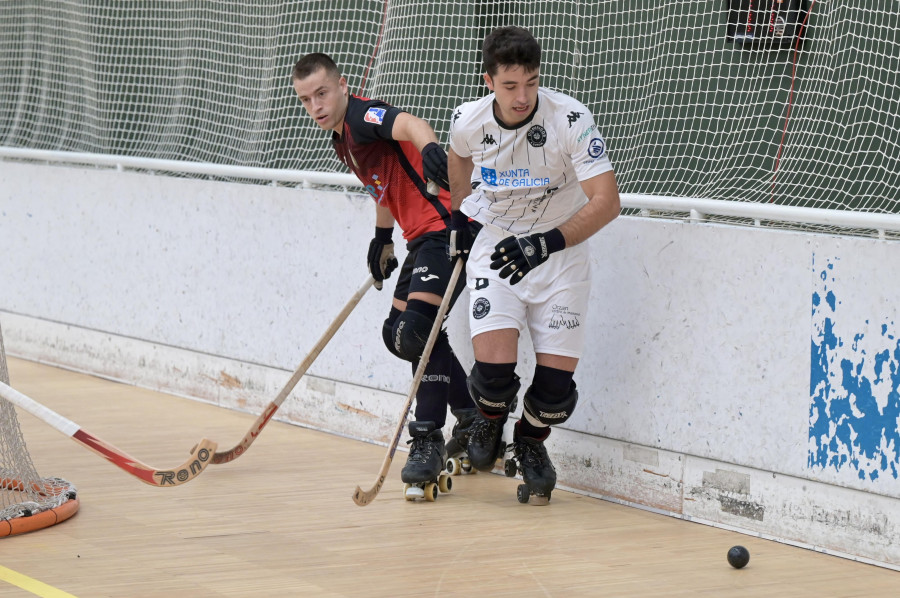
493,395
550,410
409,335
387,330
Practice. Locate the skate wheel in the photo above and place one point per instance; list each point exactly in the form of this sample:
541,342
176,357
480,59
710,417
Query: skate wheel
510,468
412,492
453,466
466,466
522,493
445,483
431,492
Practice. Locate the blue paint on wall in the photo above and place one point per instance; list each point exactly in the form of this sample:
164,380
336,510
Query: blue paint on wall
854,387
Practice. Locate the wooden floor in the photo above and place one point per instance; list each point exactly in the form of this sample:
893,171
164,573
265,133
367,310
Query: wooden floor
279,521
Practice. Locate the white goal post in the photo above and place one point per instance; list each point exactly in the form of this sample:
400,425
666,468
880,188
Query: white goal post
764,103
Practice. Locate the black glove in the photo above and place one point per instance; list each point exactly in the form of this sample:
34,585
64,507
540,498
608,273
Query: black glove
434,165
517,256
459,236
381,258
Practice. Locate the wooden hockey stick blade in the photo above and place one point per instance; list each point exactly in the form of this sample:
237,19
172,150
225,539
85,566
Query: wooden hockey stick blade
364,497
241,447
187,471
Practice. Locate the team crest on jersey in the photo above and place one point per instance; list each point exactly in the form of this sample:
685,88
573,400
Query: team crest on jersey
537,136
596,148
375,115
489,175
481,308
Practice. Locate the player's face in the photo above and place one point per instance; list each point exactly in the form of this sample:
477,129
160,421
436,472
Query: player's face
325,98
516,91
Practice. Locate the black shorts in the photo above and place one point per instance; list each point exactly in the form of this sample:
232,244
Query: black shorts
427,268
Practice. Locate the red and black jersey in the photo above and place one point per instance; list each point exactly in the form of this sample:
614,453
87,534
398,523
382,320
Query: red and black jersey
390,170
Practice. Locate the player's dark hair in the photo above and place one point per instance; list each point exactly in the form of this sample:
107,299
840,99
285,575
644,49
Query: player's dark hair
309,64
510,47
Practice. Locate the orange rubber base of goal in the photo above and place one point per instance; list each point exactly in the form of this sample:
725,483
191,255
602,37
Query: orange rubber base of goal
40,520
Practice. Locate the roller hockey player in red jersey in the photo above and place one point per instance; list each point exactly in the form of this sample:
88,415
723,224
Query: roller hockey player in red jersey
543,185
395,154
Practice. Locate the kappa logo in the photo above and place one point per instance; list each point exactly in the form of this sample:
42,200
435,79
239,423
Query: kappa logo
488,140
573,117
375,115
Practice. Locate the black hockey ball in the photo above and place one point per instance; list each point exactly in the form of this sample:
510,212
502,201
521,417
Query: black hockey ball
738,557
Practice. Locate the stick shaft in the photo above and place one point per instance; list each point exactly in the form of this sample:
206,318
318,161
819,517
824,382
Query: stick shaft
241,447
185,472
361,497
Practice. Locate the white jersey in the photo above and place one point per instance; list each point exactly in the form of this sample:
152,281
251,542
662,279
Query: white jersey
528,177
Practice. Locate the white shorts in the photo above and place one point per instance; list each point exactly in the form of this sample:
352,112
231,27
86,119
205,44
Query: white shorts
550,301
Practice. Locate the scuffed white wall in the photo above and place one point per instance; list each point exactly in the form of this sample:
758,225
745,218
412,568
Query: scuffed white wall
733,375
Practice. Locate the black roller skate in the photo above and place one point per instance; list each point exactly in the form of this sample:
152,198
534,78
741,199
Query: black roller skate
529,457
485,441
422,475
457,447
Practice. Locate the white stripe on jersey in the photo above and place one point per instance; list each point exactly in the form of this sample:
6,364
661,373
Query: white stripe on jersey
529,176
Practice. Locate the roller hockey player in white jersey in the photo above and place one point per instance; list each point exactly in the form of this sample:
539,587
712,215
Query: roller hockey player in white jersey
530,165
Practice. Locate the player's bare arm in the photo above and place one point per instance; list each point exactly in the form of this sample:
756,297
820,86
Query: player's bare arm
434,159
413,129
460,172
383,217
602,208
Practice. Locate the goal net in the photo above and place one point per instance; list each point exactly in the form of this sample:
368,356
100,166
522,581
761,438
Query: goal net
791,102
28,502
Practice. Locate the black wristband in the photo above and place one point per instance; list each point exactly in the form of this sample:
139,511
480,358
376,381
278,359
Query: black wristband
555,240
383,234
458,219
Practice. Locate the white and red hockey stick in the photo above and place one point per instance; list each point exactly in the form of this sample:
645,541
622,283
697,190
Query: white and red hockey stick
241,447
187,471
361,497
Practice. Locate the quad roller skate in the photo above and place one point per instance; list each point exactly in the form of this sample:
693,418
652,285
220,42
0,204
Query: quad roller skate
485,441
529,458
423,474
457,447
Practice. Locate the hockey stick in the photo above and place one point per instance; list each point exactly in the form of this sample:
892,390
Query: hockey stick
185,472
360,497
241,447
